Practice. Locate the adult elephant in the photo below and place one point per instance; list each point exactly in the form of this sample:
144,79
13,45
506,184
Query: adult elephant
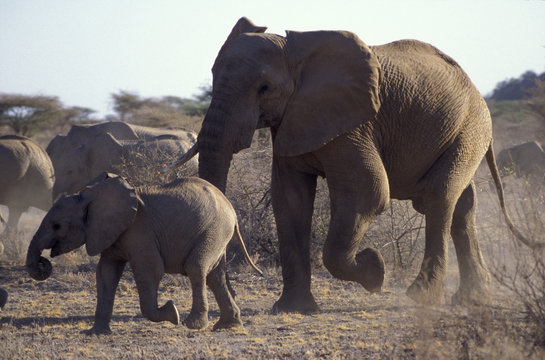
26,177
134,159
400,121
525,160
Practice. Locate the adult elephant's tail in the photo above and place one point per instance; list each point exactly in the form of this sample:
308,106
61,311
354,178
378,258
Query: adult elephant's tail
491,161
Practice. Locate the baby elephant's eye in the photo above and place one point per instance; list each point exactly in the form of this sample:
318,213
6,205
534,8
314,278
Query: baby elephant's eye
263,89
56,226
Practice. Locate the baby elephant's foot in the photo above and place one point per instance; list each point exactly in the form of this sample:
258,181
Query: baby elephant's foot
172,313
228,324
196,320
425,292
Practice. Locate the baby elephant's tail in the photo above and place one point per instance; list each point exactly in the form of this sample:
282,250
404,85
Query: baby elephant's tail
245,251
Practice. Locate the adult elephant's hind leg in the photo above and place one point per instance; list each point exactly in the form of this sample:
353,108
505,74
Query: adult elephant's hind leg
13,220
441,189
474,276
427,288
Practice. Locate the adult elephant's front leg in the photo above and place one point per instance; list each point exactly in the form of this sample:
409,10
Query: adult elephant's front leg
357,196
293,195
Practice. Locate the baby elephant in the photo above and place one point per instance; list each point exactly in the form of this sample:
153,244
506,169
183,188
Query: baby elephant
182,227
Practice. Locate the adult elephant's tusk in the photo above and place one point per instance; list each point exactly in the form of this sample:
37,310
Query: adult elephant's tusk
183,159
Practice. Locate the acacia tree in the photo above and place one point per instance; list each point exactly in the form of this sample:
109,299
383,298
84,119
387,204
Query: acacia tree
26,115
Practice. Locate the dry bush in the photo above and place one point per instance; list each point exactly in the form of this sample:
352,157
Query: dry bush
397,233
516,268
143,165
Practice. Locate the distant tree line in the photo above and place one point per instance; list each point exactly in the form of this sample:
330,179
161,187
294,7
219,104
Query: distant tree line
29,114
130,107
521,88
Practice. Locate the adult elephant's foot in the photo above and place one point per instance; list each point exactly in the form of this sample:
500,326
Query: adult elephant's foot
477,294
196,320
426,292
302,303
98,330
227,324
367,268
372,273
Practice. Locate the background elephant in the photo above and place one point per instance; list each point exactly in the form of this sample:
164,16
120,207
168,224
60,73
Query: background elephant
79,134
26,177
525,160
401,120
138,160
182,227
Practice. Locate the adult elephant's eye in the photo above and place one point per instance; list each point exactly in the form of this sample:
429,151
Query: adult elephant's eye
263,89
56,226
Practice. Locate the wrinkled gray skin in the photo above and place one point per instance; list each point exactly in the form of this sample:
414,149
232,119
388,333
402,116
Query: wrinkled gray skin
182,227
26,177
75,166
401,120
526,160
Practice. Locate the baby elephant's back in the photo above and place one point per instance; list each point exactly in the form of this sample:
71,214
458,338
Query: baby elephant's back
191,204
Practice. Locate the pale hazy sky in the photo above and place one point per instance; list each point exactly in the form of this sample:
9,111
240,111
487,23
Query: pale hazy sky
84,50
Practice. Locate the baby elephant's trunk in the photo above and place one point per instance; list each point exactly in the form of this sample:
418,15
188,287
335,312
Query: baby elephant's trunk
38,267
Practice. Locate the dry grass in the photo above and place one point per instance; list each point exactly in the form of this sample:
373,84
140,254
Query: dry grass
45,319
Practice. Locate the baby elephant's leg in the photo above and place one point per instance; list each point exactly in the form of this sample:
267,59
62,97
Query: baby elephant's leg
198,316
229,311
147,281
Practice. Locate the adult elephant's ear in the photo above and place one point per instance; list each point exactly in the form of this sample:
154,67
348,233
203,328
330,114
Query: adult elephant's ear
243,25
337,81
112,206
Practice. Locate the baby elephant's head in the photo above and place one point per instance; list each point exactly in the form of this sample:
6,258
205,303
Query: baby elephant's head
96,216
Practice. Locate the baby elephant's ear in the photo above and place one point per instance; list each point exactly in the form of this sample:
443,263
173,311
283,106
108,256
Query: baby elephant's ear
112,206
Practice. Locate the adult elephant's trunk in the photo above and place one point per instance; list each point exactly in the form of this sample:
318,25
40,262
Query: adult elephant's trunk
38,267
215,148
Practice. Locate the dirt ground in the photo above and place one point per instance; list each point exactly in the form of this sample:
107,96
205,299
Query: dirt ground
45,320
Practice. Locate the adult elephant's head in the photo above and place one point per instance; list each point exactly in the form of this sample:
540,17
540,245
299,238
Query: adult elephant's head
309,87
76,166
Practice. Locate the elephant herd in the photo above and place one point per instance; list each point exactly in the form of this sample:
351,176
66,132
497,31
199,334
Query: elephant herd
396,121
